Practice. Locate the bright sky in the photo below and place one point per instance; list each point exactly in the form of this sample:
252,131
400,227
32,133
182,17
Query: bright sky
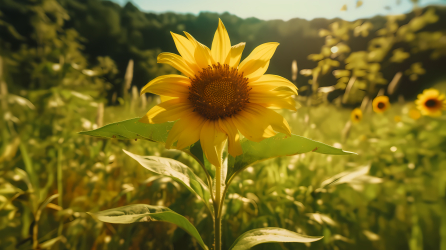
283,9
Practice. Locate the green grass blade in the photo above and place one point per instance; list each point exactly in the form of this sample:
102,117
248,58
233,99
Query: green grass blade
269,235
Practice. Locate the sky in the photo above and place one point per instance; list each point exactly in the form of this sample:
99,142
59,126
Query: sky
283,9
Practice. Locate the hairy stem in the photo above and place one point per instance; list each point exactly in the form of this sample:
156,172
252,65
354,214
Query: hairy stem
218,201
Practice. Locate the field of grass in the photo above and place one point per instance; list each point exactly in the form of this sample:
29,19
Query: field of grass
391,195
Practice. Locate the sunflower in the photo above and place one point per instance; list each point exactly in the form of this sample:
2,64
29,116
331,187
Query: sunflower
356,115
218,97
431,102
380,104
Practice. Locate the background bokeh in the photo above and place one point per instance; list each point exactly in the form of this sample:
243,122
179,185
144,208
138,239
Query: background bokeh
73,65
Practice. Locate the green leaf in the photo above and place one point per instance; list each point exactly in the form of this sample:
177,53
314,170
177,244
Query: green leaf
30,177
50,243
178,171
43,206
279,145
132,129
352,176
268,235
144,213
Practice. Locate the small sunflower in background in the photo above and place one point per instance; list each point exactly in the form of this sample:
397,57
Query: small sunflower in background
397,118
356,115
381,104
431,102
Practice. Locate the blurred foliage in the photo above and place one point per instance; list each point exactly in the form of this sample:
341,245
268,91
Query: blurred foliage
363,73
124,33
61,61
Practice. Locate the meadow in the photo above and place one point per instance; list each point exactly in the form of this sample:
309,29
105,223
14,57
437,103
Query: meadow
390,194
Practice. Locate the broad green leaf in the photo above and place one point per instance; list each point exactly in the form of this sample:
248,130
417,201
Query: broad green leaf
268,235
178,171
278,145
132,129
144,213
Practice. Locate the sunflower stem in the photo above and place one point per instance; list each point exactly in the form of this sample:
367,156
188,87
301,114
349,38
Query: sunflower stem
217,203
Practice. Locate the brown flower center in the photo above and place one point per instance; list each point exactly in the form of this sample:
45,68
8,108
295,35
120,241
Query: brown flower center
357,117
381,105
431,103
219,91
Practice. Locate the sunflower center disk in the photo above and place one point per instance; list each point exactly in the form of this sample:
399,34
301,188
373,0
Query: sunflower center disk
219,91
431,103
381,105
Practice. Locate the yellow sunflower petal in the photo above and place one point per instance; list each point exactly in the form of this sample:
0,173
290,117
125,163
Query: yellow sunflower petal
234,56
253,126
269,89
177,62
168,85
431,93
191,130
261,67
212,141
234,147
259,90
210,55
166,98
278,98
201,52
221,45
277,121
186,50
435,113
168,111
274,101
273,81
174,133
256,64
186,131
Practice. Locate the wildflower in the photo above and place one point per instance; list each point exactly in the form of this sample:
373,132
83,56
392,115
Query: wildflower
380,104
397,118
218,97
431,102
414,114
356,115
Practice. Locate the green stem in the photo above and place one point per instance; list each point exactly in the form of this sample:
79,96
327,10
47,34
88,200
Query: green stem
217,202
